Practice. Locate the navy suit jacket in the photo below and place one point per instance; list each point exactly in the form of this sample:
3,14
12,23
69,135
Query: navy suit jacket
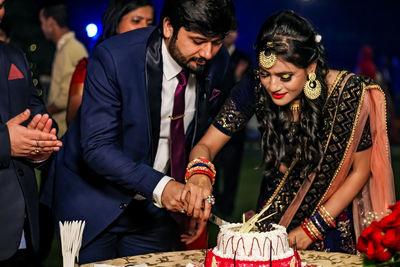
18,187
109,149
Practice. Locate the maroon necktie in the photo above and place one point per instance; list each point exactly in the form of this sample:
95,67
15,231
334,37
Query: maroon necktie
177,131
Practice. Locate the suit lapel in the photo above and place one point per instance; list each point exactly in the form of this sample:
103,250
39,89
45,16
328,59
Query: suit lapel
154,85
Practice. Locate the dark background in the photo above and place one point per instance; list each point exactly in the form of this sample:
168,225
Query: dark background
344,25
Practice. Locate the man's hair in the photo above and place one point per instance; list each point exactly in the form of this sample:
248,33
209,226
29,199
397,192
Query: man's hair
58,12
211,18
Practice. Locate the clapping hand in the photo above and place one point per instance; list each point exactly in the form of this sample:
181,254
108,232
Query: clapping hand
36,141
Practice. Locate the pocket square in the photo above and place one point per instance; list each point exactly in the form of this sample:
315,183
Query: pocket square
215,92
15,73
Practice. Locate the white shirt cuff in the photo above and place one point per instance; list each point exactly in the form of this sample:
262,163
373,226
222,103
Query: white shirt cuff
157,192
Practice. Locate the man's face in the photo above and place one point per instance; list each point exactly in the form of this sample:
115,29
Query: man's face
1,9
45,25
190,50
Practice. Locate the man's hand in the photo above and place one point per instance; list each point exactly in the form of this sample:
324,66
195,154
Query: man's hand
170,197
195,229
37,141
199,188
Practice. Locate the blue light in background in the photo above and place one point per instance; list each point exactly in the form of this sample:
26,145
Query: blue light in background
91,30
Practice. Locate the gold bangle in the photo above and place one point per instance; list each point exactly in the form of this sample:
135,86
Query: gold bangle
314,230
326,215
310,231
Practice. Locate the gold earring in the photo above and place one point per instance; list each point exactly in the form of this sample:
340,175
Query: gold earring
312,88
267,61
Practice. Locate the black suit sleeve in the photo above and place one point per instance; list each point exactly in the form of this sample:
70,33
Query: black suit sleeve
5,151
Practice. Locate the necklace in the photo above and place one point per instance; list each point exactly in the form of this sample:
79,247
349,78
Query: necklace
295,105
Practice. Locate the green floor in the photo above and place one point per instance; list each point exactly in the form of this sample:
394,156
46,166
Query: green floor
246,196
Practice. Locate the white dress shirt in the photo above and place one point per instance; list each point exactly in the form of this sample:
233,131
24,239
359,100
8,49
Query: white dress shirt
169,83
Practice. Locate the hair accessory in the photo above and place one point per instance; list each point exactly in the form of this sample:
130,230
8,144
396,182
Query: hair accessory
312,88
295,105
267,61
318,38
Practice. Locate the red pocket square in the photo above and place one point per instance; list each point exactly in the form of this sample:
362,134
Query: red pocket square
15,73
214,94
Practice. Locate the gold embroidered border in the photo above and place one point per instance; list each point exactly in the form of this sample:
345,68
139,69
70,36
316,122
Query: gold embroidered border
338,77
347,147
376,86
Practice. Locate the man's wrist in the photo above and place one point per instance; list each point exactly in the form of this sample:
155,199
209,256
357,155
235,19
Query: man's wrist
159,189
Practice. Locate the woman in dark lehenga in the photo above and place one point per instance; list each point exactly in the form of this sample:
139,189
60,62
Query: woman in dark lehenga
324,138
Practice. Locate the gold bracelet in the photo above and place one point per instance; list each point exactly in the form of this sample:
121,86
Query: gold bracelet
310,231
314,230
326,216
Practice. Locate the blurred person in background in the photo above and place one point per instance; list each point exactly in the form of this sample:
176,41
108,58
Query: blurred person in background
4,32
54,23
121,16
365,64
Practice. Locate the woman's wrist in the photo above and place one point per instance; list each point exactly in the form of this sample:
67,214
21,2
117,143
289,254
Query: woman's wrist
200,166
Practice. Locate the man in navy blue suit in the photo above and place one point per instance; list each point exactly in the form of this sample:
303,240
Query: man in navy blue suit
25,142
114,170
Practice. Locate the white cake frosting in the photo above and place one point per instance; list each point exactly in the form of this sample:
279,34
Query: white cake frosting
252,246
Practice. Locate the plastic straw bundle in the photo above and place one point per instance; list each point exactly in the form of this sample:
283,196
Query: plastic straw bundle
71,241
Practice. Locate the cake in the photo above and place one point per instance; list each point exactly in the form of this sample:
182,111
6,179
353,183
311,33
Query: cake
252,249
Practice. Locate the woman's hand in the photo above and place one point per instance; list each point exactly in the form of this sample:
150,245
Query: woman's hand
195,194
194,229
299,239
249,214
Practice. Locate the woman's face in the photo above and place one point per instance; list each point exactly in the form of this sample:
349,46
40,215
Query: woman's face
137,18
284,81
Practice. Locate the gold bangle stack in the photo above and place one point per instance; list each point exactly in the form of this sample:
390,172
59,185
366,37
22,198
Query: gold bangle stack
326,216
313,229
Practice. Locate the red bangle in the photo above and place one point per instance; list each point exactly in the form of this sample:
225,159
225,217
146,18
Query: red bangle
200,170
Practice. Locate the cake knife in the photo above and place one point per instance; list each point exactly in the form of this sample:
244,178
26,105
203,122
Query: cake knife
217,220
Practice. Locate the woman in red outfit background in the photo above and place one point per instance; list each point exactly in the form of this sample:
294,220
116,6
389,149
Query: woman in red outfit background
121,16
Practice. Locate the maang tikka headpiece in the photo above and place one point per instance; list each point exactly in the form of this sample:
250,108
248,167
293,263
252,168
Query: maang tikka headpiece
267,61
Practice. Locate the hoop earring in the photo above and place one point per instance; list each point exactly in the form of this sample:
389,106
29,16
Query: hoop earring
312,88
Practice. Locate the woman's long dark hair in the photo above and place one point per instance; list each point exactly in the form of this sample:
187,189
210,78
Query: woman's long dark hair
114,13
293,39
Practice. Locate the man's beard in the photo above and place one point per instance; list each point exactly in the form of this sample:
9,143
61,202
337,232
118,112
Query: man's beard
182,61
